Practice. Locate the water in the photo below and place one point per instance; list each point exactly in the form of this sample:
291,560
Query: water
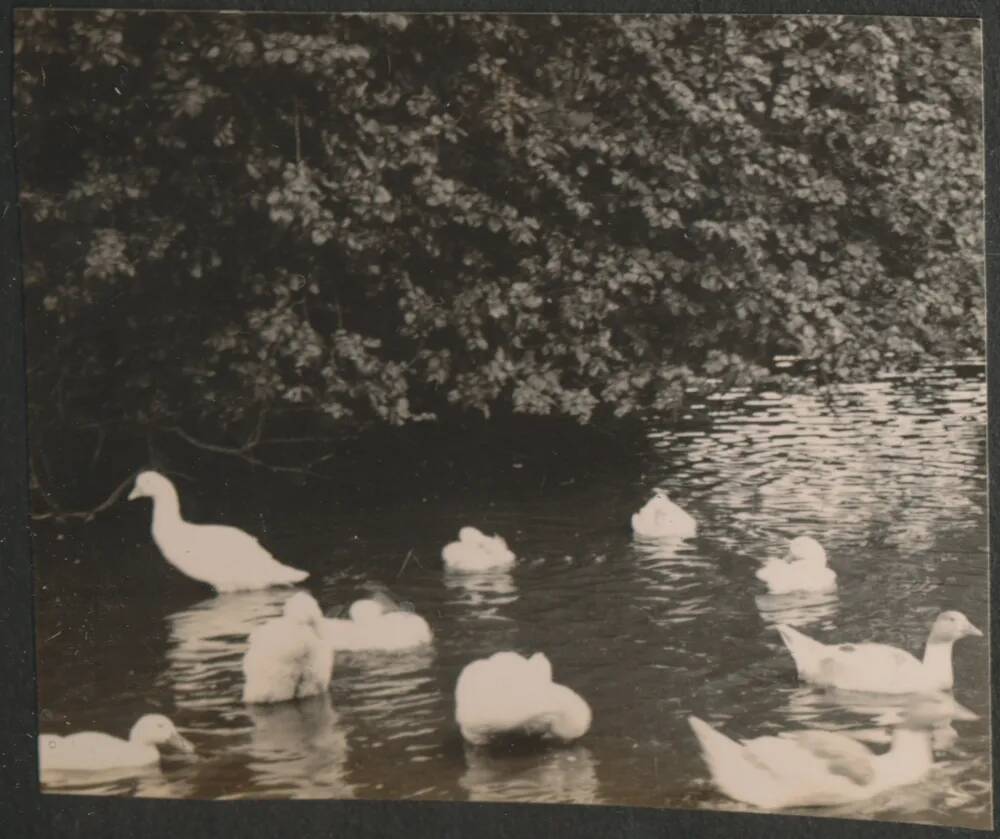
891,477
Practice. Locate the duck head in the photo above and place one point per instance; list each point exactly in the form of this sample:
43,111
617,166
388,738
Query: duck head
571,717
365,610
303,608
470,534
950,626
806,549
541,666
150,485
157,730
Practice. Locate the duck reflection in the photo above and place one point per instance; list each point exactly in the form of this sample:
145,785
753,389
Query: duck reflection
486,592
808,705
663,550
797,609
207,642
171,780
555,775
396,688
941,789
298,749
121,781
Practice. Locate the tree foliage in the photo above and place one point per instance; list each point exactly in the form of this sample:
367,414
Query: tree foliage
387,219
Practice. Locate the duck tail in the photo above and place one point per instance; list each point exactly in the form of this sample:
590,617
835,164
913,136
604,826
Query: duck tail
290,576
807,654
721,753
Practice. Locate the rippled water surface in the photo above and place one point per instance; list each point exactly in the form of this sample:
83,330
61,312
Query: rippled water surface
891,477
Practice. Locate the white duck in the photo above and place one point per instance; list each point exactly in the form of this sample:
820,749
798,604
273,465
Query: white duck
476,552
818,768
224,557
660,518
372,626
879,668
93,751
802,569
288,657
508,694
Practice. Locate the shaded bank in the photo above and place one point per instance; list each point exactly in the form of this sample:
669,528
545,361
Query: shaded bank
378,468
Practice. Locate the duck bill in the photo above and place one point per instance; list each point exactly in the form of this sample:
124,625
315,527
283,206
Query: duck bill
975,633
963,713
180,744
134,494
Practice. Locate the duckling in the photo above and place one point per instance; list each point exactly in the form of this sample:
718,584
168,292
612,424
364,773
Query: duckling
288,657
803,568
476,552
660,518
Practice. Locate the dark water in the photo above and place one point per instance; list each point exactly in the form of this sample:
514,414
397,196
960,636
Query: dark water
891,477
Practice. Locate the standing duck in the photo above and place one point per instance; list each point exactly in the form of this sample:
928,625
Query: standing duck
288,657
226,558
660,518
879,668
803,569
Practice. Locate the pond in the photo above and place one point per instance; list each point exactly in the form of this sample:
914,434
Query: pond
889,476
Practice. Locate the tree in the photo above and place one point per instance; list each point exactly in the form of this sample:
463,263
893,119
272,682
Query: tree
237,223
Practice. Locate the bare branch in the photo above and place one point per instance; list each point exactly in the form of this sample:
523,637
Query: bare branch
244,453
84,515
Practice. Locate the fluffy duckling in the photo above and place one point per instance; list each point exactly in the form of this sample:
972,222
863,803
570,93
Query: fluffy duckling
508,694
372,626
660,518
803,569
288,657
476,552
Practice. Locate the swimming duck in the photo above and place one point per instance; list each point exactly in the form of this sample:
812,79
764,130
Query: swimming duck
879,668
509,694
93,751
475,552
802,569
226,558
288,657
660,518
372,626
818,768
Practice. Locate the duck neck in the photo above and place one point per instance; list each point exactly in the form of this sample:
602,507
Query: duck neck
937,663
166,509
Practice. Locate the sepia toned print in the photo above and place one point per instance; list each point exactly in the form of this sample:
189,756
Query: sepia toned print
521,408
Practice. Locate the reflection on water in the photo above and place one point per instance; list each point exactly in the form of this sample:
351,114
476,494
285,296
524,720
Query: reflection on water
797,609
484,593
889,477
558,775
206,646
105,782
298,750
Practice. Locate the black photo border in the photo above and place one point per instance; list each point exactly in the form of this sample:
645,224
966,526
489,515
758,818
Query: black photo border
25,813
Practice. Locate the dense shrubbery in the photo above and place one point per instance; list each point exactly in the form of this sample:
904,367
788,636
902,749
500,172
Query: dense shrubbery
232,220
